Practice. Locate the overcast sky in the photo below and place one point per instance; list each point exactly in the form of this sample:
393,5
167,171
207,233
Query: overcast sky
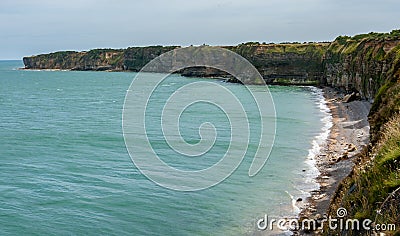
31,27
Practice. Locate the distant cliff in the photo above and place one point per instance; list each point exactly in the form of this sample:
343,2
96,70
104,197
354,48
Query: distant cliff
97,59
130,59
278,63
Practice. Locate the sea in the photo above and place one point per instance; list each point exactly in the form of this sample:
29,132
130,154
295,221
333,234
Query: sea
65,168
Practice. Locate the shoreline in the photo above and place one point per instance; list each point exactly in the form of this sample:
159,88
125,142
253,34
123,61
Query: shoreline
348,136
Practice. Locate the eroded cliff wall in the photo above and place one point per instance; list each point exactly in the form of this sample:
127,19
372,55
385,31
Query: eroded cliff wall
361,63
287,63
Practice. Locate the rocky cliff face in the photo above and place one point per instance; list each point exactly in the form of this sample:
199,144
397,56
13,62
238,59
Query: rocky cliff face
97,59
135,58
130,59
286,63
361,63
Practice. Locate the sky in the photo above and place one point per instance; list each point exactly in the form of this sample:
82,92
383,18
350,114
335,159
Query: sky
30,27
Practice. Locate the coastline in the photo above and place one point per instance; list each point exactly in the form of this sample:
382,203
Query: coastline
347,138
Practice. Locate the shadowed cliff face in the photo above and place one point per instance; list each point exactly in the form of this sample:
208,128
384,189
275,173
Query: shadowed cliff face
135,58
361,63
291,64
370,65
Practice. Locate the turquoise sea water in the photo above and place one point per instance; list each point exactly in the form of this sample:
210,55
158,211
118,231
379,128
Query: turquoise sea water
64,168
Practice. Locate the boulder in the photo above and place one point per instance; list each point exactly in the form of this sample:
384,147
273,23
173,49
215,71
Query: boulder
349,98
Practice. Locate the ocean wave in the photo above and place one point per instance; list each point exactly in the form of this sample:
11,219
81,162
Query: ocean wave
309,183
